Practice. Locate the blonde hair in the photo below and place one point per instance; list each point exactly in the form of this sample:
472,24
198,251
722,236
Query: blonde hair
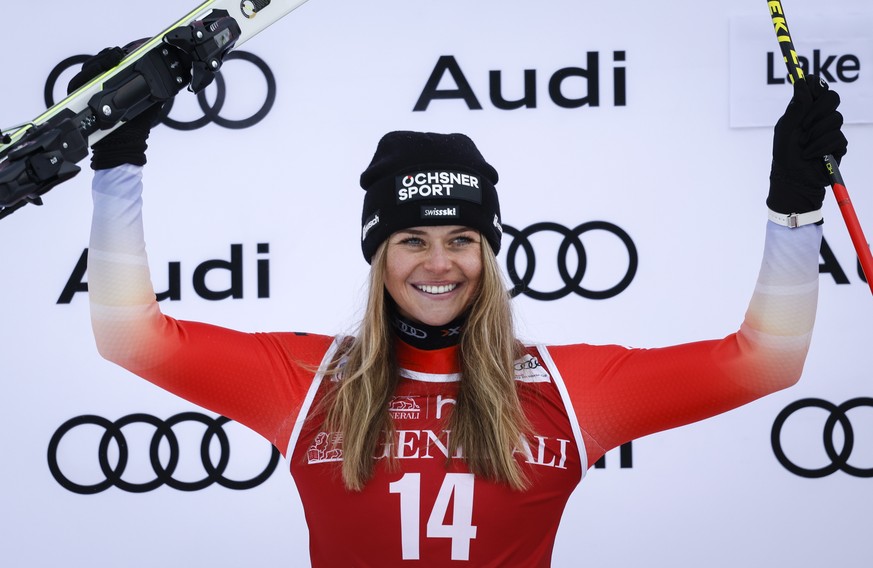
487,421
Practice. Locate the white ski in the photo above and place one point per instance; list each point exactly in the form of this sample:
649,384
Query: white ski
38,155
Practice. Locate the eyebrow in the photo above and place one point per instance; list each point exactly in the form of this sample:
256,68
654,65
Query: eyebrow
452,232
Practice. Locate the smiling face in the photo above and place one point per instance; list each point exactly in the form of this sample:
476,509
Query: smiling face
432,273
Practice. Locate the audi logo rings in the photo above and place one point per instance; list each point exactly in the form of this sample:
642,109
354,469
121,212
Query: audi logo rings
163,472
211,111
572,281
839,460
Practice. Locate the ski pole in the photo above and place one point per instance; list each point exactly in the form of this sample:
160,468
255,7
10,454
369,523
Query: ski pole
795,73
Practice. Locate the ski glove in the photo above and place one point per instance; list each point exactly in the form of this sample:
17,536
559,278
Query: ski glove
127,143
809,129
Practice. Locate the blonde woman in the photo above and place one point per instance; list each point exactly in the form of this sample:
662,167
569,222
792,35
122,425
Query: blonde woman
433,435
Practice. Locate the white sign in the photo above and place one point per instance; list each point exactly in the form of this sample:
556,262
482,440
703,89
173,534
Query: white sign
837,48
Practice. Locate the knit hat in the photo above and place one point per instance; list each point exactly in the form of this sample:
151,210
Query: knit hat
427,179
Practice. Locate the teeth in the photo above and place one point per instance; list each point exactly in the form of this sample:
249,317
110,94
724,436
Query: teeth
437,289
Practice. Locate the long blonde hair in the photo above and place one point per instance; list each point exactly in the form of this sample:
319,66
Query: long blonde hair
487,421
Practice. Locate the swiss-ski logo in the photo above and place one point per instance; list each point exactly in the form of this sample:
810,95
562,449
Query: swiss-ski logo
250,8
427,212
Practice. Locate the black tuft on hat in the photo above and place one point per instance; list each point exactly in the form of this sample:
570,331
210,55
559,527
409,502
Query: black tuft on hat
428,179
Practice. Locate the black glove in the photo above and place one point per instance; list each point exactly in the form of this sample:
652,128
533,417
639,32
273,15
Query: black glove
127,143
809,130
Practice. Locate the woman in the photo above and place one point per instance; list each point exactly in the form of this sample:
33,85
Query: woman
433,420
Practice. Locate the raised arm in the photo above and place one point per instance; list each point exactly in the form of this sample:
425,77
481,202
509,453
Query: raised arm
620,394
256,379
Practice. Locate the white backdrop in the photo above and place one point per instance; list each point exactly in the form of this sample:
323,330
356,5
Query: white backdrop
681,167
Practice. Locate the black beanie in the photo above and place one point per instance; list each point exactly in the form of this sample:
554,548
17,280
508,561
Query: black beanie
427,179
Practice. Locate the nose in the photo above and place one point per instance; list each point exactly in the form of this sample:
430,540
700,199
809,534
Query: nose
437,259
